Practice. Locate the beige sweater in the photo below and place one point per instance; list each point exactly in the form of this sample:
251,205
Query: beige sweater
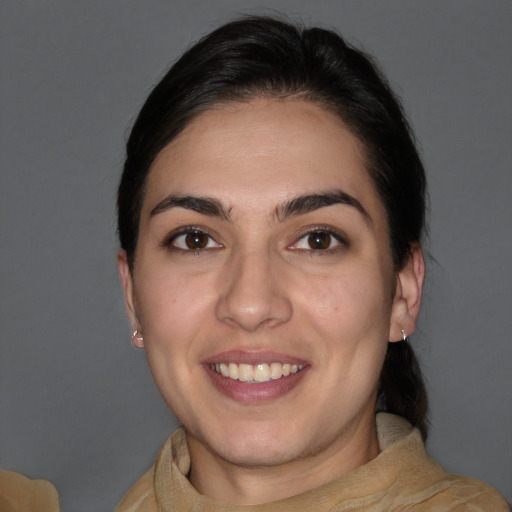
401,478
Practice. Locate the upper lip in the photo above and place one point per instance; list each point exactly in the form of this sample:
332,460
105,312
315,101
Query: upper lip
253,357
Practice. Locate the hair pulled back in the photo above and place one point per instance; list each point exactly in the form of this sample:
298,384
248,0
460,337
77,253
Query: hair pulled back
267,57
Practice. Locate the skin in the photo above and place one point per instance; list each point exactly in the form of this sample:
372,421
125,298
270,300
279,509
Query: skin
260,287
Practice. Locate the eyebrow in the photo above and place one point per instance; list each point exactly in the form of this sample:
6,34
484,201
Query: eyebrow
294,207
308,203
204,205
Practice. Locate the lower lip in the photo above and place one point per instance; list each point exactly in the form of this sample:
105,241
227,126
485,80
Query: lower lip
256,392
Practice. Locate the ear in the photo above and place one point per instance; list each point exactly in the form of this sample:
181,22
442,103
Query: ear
408,294
127,283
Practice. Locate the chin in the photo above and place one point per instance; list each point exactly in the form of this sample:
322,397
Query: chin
254,444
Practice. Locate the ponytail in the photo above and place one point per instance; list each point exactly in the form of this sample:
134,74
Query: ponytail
401,389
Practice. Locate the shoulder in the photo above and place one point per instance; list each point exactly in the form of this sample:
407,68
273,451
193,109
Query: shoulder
460,493
419,483
141,497
431,489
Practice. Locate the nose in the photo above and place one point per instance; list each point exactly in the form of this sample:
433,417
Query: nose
252,295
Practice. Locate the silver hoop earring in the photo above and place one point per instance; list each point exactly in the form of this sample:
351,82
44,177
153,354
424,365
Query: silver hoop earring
137,336
405,337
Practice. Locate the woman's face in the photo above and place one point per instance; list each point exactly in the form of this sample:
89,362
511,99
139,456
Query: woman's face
263,282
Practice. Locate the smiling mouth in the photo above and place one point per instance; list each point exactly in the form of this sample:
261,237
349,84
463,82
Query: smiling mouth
255,374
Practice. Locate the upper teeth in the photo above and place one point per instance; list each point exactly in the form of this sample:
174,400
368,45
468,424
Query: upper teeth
255,373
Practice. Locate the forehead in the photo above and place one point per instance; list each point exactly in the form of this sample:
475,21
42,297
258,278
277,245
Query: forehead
260,152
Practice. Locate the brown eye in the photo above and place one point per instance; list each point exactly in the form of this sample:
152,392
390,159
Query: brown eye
319,240
196,240
193,240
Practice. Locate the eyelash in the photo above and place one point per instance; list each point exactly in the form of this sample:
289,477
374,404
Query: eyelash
169,242
322,230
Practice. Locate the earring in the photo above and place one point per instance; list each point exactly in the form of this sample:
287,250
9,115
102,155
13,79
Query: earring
405,338
137,336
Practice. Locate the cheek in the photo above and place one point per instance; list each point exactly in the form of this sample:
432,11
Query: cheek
347,315
173,314
351,301
172,307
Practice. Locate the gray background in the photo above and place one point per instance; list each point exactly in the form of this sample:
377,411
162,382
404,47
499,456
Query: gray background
77,403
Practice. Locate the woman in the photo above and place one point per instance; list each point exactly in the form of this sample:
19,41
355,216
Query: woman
270,216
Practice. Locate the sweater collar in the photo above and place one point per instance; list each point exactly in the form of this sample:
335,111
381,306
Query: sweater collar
399,445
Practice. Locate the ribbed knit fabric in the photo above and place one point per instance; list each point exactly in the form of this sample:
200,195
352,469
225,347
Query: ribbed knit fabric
401,478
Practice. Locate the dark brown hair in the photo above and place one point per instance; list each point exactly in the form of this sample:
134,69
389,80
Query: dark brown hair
269,57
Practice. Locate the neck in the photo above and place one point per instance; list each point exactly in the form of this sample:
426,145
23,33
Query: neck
224,481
